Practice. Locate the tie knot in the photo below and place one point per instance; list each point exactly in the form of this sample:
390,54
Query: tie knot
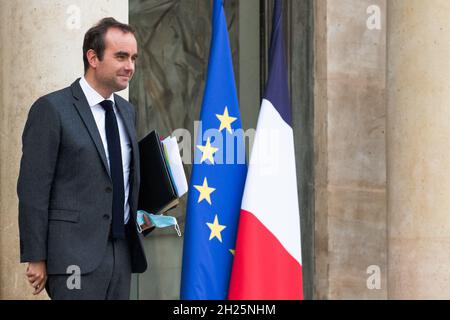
107,105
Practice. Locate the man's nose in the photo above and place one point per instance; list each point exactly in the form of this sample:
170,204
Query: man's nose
129,66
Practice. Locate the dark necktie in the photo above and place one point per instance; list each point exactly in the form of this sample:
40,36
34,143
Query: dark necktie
116,168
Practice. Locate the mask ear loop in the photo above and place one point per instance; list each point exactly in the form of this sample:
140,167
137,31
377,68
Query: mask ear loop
177,227
138,227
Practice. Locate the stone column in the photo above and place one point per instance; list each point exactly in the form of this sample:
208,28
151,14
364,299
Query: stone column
418,149
41,51
350,172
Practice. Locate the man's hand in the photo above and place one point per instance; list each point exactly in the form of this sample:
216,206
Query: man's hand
147,224
37,275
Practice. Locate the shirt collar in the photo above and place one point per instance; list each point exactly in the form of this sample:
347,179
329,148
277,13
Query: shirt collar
93,97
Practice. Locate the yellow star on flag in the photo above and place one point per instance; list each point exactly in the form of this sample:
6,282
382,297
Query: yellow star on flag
216,229
232,251
225,120
208,151
205,191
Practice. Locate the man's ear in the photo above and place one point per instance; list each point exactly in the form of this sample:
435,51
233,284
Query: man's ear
92,58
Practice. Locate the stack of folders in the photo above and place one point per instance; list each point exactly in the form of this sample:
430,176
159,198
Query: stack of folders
163,180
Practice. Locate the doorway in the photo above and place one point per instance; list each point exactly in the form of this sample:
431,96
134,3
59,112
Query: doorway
167,89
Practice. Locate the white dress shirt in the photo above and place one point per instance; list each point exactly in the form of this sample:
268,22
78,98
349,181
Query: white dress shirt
94,99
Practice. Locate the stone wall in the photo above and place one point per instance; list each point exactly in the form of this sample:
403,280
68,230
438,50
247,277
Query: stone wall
41,51
417,149
350,157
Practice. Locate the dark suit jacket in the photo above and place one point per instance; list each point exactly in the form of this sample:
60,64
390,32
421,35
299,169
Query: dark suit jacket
64,186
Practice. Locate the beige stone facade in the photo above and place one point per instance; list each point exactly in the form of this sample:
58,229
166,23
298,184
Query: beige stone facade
41,52
350,144
418,134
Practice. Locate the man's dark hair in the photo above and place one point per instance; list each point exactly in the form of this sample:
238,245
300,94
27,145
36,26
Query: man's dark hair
95,37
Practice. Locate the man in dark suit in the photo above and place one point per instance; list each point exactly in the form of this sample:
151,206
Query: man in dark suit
79,178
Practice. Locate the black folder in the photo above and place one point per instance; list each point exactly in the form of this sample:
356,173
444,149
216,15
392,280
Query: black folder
157,192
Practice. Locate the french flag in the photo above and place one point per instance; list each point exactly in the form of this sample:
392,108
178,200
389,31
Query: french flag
268,261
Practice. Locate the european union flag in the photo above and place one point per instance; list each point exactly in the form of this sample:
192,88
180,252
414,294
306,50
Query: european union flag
218,177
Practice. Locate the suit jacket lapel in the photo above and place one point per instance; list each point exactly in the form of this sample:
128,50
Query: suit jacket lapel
129,126
85,112
128,121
